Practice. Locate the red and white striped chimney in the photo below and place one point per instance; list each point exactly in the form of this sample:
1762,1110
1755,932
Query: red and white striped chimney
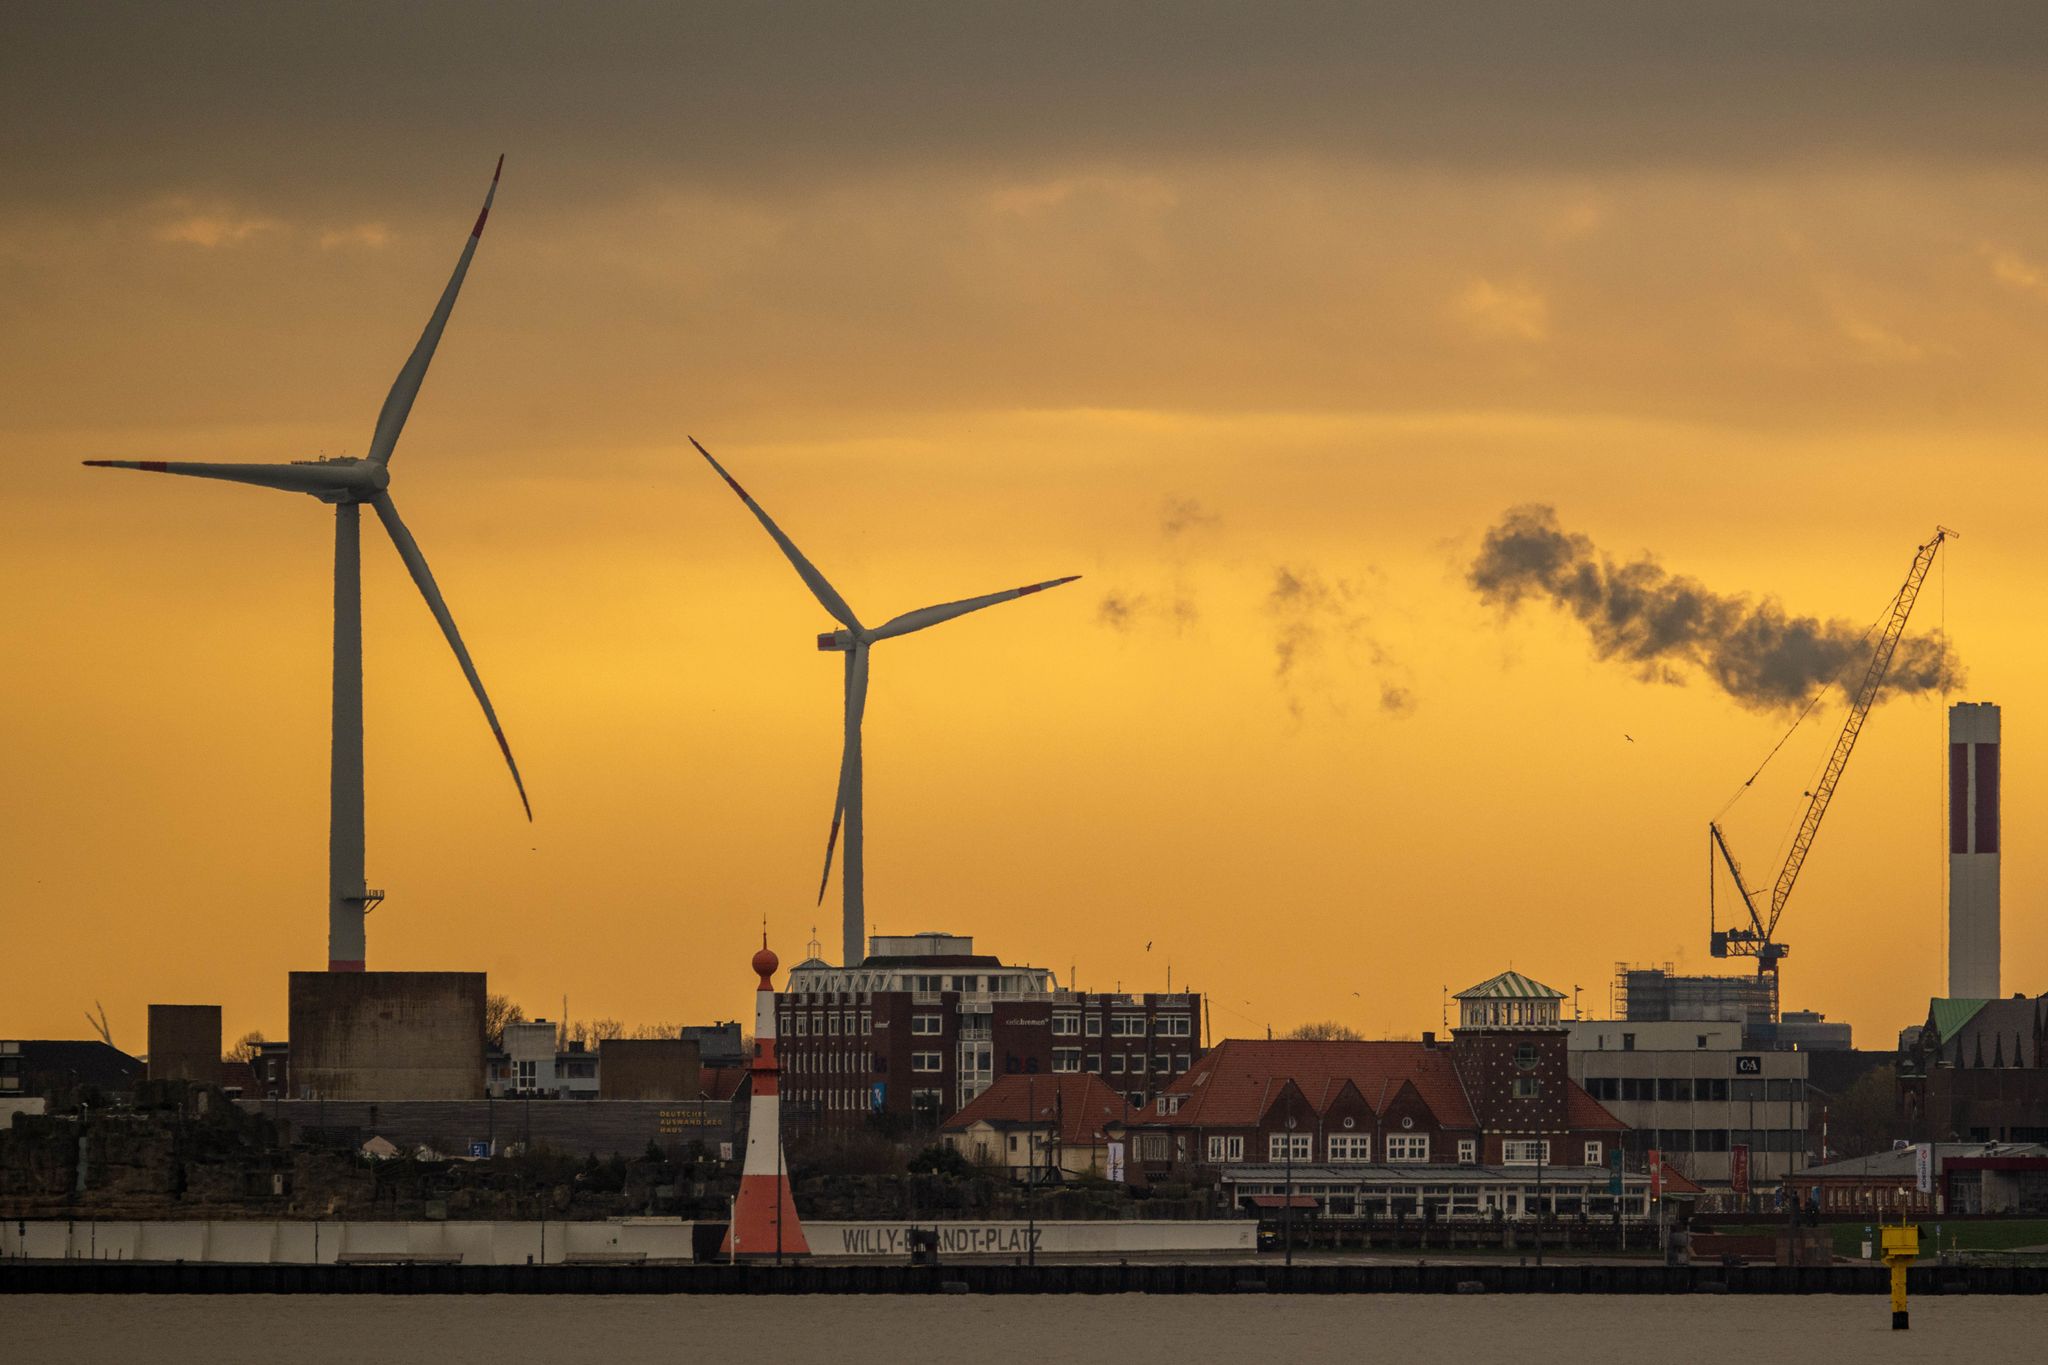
764,1217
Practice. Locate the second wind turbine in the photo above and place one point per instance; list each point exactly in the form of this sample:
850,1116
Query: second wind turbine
854,640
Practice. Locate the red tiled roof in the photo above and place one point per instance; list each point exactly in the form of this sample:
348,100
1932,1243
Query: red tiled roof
1236,1081
1583,1112
1079,1101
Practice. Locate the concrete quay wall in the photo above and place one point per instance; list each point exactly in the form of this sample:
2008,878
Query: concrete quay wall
984,1277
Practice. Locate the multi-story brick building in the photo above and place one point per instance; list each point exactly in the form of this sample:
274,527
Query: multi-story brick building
924,1024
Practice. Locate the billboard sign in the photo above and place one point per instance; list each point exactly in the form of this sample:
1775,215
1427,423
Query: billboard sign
877,1094
1115,1166
1656,1174
1749,1064
1614,1170
1923,1168
1738,1168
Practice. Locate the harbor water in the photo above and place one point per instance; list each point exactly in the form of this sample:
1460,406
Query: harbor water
1028,1330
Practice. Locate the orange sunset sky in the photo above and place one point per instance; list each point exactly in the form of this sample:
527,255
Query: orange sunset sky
1258,317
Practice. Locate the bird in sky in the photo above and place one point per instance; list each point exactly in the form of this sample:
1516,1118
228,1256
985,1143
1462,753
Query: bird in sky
1630,738
1148,945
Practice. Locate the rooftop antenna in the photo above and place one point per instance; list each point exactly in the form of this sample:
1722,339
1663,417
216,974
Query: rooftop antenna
99,1025
812,948
1447,1006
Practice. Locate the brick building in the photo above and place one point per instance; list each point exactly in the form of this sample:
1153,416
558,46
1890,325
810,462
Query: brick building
1977,1071
1489,1122
924,1024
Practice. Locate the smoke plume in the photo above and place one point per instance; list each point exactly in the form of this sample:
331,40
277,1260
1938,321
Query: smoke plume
1310,614
1664,624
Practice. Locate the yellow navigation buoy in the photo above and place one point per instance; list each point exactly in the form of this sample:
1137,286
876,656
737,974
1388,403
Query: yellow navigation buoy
1901,1246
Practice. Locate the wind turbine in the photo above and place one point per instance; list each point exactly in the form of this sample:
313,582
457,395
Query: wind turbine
855,640
348,483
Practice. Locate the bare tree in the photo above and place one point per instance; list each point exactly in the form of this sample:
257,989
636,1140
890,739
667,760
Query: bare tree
1327,1030
245,1047
498,1012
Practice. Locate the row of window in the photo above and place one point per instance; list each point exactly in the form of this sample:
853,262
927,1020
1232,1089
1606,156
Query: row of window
1136,1063
1073,1025
1689,1089
831,1024
1350,1147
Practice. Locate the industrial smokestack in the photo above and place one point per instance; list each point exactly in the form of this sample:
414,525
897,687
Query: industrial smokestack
1973,851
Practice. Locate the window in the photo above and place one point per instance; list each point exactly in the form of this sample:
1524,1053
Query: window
1346,1148
1226,1149
1628,1042
1407,1147
1702,1042
1746,1090
1163,1064
1173,1026
1181,1061
1127,1026
784,1027
927,1061
1595,1154
1524,1153
1137,1063
1066,1025
1468,1151
1092,1026
1711,1088
1066,1059
925,1024
1638,1088
832,1024
867,1021
1289,1146
801,1019
1678,1089
1116,1063
1137,1099
1525,1057
1095,1063
1528,1087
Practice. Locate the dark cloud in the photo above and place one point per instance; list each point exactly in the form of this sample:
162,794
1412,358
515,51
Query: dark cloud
1664,624
794,92
1314,617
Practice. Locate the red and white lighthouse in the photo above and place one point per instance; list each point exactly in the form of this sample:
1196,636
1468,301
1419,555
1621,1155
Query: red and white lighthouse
764,1219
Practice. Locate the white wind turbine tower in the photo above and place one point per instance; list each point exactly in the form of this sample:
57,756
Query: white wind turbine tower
348,483
854,641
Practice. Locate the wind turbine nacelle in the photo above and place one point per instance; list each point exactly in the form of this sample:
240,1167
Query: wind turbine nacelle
836,641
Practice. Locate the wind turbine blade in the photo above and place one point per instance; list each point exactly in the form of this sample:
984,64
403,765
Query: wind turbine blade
832,839
828,596
316,479
416,563
946,611
398,403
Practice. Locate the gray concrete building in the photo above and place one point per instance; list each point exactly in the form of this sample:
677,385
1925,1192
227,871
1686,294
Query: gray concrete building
1693,1091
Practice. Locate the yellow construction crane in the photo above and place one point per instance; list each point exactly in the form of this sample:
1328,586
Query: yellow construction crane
1759,938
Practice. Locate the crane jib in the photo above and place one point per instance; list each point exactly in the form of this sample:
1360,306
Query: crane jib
1761,941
